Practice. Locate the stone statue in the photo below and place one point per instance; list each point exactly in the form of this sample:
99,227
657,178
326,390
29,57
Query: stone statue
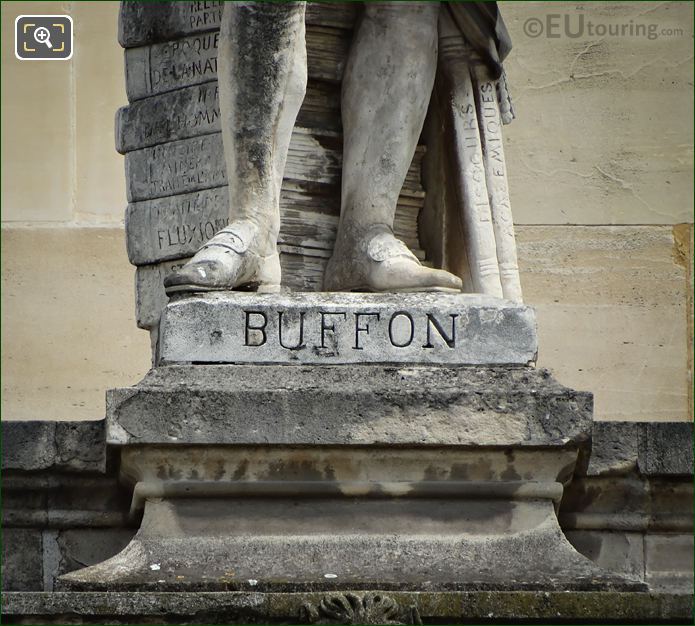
339,444
385,94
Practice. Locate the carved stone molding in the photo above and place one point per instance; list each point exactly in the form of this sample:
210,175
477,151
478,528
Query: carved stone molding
352,608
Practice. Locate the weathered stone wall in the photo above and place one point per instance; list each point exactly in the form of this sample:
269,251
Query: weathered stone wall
600,162
629,507
62,504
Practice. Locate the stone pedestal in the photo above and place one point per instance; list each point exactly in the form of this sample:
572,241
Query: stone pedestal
402,475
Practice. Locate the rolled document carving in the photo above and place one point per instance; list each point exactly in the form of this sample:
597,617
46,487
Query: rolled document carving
480,167
490,125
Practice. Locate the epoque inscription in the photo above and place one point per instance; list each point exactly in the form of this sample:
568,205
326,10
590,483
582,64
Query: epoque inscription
185,61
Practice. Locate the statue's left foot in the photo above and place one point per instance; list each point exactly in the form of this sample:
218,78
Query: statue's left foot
380,262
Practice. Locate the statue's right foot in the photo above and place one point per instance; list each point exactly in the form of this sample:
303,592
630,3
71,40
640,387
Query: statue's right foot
379,262
230,260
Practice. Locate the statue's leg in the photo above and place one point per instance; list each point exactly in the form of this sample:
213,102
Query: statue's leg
262,81
386,90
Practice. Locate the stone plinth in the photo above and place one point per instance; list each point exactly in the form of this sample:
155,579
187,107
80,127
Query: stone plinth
506,407
339,328
291,479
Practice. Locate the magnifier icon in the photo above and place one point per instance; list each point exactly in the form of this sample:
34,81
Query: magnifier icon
43,35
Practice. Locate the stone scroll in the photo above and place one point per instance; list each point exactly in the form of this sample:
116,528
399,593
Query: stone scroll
175,170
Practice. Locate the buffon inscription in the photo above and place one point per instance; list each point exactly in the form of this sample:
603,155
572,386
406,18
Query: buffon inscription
335,328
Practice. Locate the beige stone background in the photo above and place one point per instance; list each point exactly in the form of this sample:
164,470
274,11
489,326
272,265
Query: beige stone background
601,174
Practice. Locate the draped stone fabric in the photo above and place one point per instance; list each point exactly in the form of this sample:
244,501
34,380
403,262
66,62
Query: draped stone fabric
482,26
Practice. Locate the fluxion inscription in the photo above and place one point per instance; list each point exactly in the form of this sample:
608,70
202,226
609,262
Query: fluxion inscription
176,226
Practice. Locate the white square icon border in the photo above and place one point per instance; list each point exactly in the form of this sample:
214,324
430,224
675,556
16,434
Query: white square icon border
72,38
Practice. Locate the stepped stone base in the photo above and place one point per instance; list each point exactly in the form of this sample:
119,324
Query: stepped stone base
346,543
410,449
80,516
276,479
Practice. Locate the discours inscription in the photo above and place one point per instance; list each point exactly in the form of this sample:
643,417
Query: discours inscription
314,159
198,163
239,327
